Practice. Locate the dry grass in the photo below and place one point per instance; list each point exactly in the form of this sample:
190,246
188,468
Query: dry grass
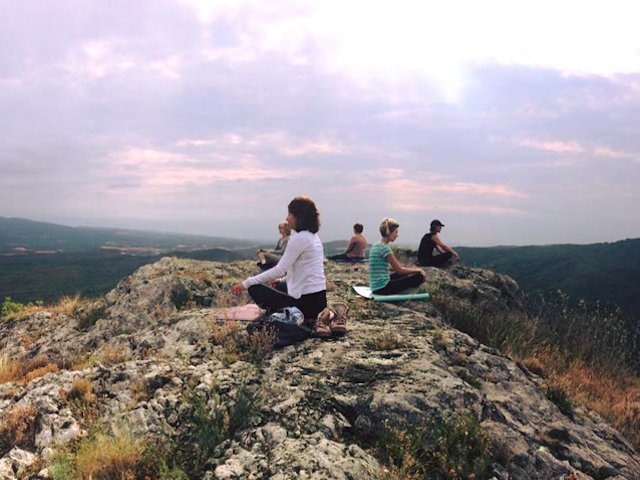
18,428
613,394
109,458
40,372
81,391
67,305
237,344
106,355
226,299
10,370
101,457
140,389
113,355
19,370
580,355
439,340
386,341
82,401
201,276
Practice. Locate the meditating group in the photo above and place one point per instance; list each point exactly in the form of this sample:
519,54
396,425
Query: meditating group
299,259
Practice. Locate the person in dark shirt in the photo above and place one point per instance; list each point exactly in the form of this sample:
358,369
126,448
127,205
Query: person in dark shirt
431,242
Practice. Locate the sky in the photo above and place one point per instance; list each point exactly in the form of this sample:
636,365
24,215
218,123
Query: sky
514,123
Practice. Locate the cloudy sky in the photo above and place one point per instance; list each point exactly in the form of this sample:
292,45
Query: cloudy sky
512,122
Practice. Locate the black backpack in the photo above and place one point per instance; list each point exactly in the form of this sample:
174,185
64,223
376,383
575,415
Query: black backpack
285,332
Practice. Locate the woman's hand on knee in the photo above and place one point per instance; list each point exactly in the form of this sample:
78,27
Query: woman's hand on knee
237,289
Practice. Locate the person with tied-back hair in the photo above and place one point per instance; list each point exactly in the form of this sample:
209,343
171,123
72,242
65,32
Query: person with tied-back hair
302,263
355,247
381,259
269,258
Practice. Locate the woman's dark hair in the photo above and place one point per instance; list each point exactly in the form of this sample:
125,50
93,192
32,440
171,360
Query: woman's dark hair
358,228
306,213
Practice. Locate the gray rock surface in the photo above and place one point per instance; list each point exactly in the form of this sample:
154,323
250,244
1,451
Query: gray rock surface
320,399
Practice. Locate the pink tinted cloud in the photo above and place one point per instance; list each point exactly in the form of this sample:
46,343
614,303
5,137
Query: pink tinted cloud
273,142
573,147
415,195
609,152
152,171
475,189
552,146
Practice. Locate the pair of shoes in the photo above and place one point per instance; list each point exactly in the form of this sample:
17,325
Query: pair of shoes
332,321
338,325
323,323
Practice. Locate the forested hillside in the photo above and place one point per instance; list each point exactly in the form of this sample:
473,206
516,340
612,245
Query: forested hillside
608,272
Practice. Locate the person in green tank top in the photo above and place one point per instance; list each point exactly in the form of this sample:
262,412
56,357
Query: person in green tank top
381,259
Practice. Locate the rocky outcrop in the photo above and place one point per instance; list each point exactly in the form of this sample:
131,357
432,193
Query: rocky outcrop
320,402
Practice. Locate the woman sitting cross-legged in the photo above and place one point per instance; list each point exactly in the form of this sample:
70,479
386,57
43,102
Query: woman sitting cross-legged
381,259
301,262
269,258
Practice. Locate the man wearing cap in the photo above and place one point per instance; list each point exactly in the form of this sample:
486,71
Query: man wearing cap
430,242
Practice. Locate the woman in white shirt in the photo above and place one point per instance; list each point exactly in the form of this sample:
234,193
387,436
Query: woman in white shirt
302,263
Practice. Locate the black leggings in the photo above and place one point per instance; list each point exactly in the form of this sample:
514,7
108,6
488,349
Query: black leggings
271,300
400,282
345,258
438,260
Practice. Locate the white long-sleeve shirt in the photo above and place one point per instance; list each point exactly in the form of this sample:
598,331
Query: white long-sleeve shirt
302,263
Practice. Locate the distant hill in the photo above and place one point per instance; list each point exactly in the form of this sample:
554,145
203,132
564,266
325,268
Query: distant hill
44,261
20,234
608,272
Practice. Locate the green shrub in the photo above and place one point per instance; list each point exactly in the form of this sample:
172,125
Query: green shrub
11,309
209,423
434,448
561,398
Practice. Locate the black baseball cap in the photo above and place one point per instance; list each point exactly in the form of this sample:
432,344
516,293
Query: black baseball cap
437,222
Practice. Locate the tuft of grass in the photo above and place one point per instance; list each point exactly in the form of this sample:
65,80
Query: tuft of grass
18,428
238,344
139,389
82,400
212,422
88,313
100,457
434,448
226,299
439,340
385,341
558,395
113,355
106,457
41,372
507,330
68,305
24,371
81,391
10,370
470,378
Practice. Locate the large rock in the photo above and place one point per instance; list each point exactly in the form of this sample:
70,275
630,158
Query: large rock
322,401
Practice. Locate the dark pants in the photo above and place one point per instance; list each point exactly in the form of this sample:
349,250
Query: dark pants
438,260
343,257
400,282
269,263
271,300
